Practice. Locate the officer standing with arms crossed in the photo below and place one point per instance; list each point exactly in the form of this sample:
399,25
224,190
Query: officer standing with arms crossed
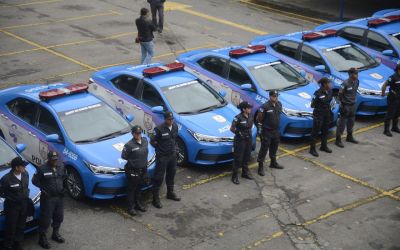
322,116
241,127
14,188
51,178
164,141
268,118
135,152
347,111
393,100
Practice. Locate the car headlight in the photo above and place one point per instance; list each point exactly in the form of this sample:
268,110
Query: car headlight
36,198
103,170
293,112
209,138
151,161
364,91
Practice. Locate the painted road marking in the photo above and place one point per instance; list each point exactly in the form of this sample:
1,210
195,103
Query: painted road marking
26,4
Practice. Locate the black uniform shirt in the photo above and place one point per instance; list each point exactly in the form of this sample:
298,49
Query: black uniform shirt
394,84
271,114
164,140
51,181
349,92
136,153
13,189
243,126
321,101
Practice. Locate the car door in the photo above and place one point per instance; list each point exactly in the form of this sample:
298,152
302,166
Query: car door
377,42
310,58
238,76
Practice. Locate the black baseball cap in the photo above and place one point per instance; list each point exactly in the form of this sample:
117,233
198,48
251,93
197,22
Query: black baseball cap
168,115
52,155
17,161
273,93
244,105
136,129
353,71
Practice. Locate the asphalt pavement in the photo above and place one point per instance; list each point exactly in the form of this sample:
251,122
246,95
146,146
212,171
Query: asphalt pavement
345,200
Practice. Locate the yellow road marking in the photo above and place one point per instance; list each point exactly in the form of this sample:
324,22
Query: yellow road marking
70,43
108,13
25,4
48,50
327,215
223,21
168,6
287,13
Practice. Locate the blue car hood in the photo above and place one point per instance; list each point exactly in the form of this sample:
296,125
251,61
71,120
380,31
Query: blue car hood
299,98
108,152
372,78
215,123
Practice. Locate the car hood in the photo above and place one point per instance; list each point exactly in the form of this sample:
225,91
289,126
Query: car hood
372,78
215,123
108,152
299,98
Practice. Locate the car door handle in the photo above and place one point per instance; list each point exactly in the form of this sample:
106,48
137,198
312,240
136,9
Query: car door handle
31,134
4,116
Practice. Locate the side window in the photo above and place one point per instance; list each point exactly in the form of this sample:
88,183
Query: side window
126,84
237,74
47,123
213,64
151,96
310,57
377,42
352,34
24,109
288,48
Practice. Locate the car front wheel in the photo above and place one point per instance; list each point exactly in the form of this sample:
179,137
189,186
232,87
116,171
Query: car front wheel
74,184
181,155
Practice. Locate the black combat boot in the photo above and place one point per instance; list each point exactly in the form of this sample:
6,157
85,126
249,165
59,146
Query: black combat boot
156,198
324,146
395,127
351,139
387,131
171,195
43,242
261,171
140,204
312,150
274,164
56,236
235,178
338,141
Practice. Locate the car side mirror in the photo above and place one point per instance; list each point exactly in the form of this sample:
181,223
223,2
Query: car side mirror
129,117
387,52
320,68
246,87
157,109
222,93
53,138
20,147
302,73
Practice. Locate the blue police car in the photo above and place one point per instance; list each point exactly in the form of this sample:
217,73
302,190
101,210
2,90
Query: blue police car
379,36
248,73
87,134
146,91
323,54
7,153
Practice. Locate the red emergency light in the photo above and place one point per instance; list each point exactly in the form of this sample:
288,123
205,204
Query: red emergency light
318,34
383,20
158,70
68,90
251,49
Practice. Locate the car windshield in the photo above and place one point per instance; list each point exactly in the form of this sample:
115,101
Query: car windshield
93,123
192,98
277,75
395,38
6,155
349,56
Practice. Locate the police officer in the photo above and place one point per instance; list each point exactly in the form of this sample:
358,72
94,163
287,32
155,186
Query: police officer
51,178
393,100
135,152
241,127
14,188
268,118
347,111
164,141
322,116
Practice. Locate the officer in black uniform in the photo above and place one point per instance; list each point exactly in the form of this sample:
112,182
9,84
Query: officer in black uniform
164,141
347,111
241,127
268,119
135,152
14,188
322,116
393,100
51,178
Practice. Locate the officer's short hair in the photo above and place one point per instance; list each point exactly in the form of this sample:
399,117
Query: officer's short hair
324,81
17,161
143,11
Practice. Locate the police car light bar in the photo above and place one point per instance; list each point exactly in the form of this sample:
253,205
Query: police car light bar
158,70
383,20
318,34
236,53
54,93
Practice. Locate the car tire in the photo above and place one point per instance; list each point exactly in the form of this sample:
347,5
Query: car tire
181,155
74,184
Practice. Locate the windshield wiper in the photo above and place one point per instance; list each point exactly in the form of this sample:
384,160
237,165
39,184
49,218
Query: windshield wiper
208,108
111,135
290,87
86,141
186,113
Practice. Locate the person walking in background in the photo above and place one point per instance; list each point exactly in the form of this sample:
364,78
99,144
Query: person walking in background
157,6
145,36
